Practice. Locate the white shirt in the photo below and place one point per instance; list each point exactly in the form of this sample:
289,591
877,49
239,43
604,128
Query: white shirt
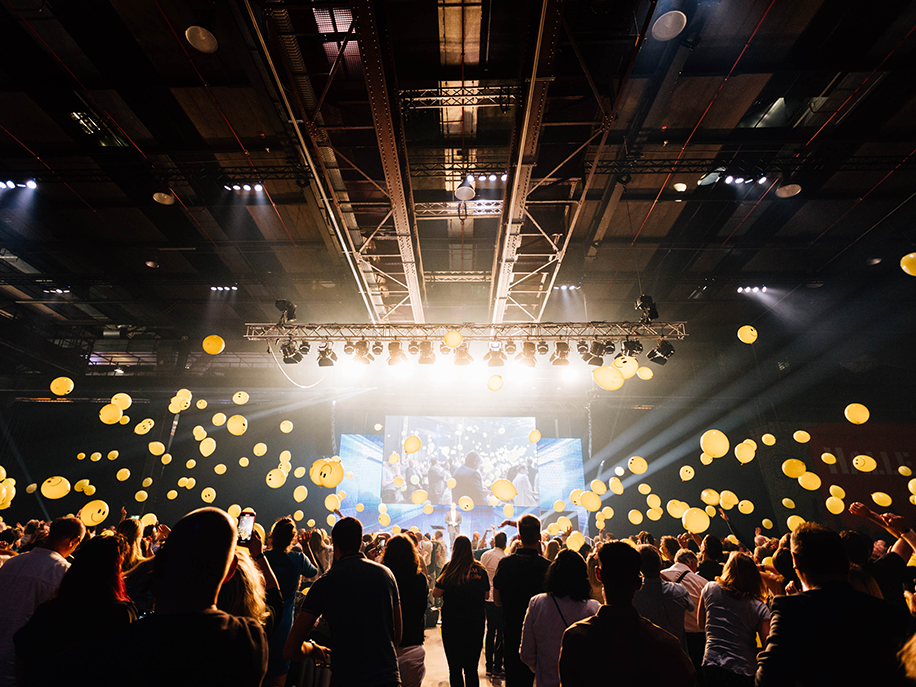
490,560
694,584
26,581
426,550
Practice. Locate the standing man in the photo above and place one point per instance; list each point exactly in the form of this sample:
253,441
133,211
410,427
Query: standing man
468,481
438,481
684,573
359,599
518,578
494,643
453,522
30,579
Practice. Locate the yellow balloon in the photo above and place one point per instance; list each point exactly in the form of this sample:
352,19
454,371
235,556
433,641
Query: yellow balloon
299,473
332,502
157,448
286,426
710,497
95,457
767,523
110,414
276,478
201,404
428,509
788,503
243,461
676,508
412,444
828,458
835,505
793,468
575,496
627,366
208,495
419,497
559,506
508,510
747,334
645,373
598,487
615,485
453,339
191,483
125,420
619,471
32,488
768,439
534,436
240,398
80,485
837,491
710,511
300,493
503,489
207,447
882,499
801,436
705,459
94,513
794,521
298,515
200,433
61,386
359,508
310,522
575,541
184,393
495,383
333,476
219,419
591,501
123,401
89,490
113,455
220,469
182,482
904,471
635,516
856,413
727,499
465,503
122,475
654,501
214,344
644,489
80,456
714,443
144,426
864,463
607,512
398,481
451,483
695,520
686,472
141,496
744,453
608,377
746,507
384,519
191,464
908,264
237,425
637,465
809,481
553,529
259,449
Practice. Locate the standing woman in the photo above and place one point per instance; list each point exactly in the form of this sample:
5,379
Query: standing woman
288,566
733,611
400,557
463,586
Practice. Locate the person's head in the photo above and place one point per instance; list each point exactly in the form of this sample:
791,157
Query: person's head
433,461
741,578
760,552
315,541
195,560
472,460
400,557
593,578
282,534
712,548
346,537
499,541
688,558
568,576
243,594
9,536
65,535
858,546
818,555
646,538
669,547
95,575
529,531
131,529
782,561
438,535
459,566
619,572
553,548
650,562
31,527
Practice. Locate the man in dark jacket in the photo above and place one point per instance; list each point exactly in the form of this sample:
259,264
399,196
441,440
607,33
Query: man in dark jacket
468,481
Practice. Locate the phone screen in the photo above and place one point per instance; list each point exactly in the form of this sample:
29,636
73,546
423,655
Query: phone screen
246,525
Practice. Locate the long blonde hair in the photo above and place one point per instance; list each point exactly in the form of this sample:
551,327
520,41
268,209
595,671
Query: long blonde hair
243,594
741,578
132,531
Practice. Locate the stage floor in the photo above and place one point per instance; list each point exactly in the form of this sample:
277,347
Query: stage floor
437,668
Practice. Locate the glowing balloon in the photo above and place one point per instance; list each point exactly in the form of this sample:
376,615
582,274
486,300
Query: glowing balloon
240,398
793,468
591,501
619,471
191,464
298,515
299,473
552,529
714,443
745,507
654,501
534,436
94,513
727,499
608,377
237,425
219,419
110,414
575,541
837,491
801,436
141,496
123,402
451,483
856,413
214,344
453,339
122,475
705,459
635,516
276,478
333,476
80,485
243,461
259,449
113,455
95,457
575,496
809,481
788,503
144,426
157,448
207,447
882,499
637,465
61,386
419,497
125,420
794,521
503,489
219,469
398,481
201,404
904,471
598,487
508,510
644,489
864,463
80,456
384,519
31,489
495,383
695,520
607,512
184,393
747,334
767,523
191,483
182,482
89,490
835,505
627,366
286,426
465,503
208,495
744,453
332,502
412,444
710,497
687,473
564,523
645,373
428,509
300,493
676,508
828,458
615,485
908,264
768,439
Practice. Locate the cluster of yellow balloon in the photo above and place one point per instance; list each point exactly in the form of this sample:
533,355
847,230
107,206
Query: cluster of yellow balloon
714,443
327,472
7,489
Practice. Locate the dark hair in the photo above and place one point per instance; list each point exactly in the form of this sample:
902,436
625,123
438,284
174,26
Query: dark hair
858,546
713,547
650,562
347,535
529,529
670,546
818,552
499,541
646,538
620,565
472,460
95,575
782,561
568,576
741,578
400,557
459,567
282,534
63,529
11,535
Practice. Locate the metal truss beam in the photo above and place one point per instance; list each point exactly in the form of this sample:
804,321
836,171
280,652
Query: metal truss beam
540,331
742,164
468,277
471,209
440,97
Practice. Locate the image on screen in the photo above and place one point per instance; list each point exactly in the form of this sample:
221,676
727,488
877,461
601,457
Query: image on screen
460,456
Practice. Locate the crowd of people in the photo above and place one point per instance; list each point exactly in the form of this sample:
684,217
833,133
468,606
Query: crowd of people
194,605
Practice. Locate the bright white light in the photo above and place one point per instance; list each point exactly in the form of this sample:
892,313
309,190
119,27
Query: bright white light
236,187
228,188
729,179
482,177
569,374
504,177
31,184
564,287
762,180
763,289
246,187
213,288
10,184
756,289
739,180
740,290
258,187
492,177
680,187
235,288
747,181
556,288
470,177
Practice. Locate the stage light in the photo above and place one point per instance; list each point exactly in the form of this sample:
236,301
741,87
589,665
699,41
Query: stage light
543,348
201,39
582,348
246,187
510,348
395,354
504,177
762,180
10,184
258,187
492,177
463,355
236,187
291,353
152,263
413,348
31,184
564,287
647,306
748,180
660,354
377,348
756,289
630,349
349,348
444,350
594,354
526,356
680,187
740,290
228,188
362,354
788,190
495,356
560,355
164,196
669,25
482,177
739,180
729,179
287,310
119,370
427,356
763,289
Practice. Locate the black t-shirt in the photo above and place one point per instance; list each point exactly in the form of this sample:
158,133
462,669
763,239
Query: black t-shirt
357,598
518,578
205,648
892,575
465,600
414,593
709,569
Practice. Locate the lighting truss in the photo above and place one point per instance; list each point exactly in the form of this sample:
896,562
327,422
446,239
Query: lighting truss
440,97
548,331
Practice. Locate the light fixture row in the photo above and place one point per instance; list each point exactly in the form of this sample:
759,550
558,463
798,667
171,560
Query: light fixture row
224,288
752,289
31,184
243,187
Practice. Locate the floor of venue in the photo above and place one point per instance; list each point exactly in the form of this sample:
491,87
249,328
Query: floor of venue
437,668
